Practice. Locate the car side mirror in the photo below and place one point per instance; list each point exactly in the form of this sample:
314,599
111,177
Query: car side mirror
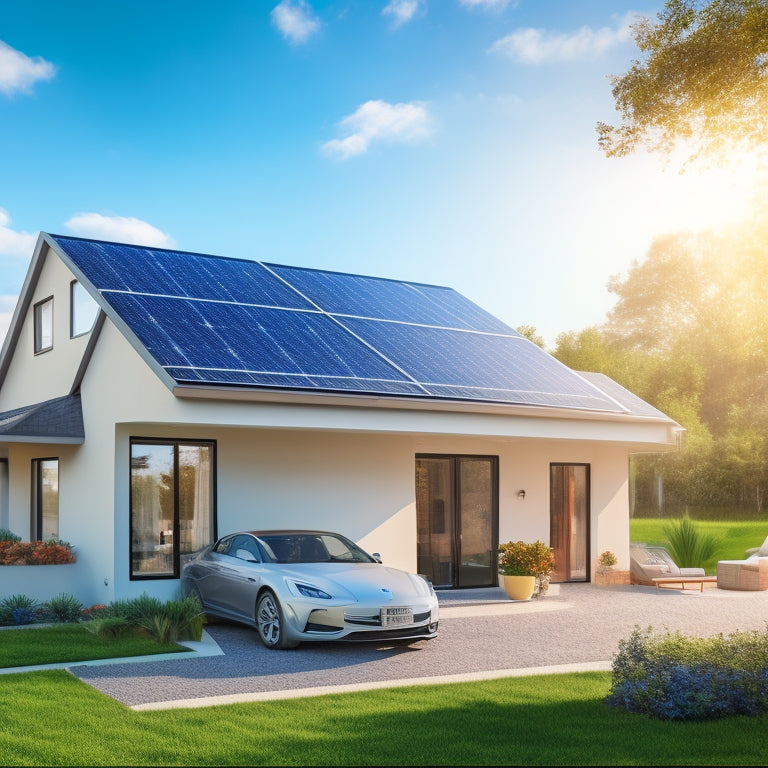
244,554
376,556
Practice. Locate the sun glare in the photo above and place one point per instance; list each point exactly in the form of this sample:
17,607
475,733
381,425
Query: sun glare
705,198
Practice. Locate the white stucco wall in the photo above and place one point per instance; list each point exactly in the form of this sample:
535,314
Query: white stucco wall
34,378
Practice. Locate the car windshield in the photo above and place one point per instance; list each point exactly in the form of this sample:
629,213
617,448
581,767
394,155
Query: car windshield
311,548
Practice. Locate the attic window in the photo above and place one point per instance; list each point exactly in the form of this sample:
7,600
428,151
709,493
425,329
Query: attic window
44,325
83,310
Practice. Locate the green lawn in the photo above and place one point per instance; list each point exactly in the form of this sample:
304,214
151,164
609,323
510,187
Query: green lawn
51,718
70,642
734,536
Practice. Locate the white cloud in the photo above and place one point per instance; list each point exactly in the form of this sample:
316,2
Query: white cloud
14,243
19,72
295,20
121,229
537,46
402,11
495,5
380,121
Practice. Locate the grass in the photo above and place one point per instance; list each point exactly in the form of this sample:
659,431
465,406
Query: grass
734,536
70,642
543,720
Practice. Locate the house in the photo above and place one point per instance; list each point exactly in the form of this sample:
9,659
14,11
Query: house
152,400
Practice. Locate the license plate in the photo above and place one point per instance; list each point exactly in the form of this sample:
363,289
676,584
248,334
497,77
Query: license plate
396,617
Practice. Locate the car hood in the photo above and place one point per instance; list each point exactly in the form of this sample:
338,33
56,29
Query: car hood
363,581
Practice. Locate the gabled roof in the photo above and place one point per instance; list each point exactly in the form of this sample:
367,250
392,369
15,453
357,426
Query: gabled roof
54,421
208,322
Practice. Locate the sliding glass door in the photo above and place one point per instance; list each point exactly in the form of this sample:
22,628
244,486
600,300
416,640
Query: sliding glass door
457,519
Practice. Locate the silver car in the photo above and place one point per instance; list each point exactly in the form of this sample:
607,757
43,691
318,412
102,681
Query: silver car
296,586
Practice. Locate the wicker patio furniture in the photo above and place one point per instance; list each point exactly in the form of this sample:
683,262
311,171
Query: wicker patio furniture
750,574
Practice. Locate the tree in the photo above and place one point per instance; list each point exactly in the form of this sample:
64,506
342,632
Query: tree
529,331
702,80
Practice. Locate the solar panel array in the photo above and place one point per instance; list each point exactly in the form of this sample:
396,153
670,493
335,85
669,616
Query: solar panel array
209,320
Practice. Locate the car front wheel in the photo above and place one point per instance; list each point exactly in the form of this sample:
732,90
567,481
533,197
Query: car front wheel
270,622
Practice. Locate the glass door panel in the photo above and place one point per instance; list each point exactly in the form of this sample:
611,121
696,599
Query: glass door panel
569,521
478,563
435,514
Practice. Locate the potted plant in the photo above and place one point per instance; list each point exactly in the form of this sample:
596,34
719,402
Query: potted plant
606,561
526,567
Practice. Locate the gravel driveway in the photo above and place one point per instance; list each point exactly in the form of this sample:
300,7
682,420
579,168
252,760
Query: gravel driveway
482,635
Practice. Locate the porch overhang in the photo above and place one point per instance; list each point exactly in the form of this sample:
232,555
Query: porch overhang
58,421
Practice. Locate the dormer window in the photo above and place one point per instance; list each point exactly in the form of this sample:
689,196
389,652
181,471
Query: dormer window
83,310
44,325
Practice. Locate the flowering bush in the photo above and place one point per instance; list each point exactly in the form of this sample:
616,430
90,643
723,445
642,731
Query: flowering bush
607,560
673,677
93,612
516,558
51,552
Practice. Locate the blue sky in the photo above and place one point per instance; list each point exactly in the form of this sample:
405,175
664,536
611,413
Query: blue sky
441,141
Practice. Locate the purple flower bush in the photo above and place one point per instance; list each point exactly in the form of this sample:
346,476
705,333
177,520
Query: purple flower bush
674,677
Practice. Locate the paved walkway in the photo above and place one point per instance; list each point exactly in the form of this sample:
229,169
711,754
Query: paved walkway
482,635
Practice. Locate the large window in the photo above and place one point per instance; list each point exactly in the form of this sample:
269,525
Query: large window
44,325
172,504
83,310
45,499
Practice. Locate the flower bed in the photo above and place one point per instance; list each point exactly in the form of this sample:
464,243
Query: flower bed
673,677
51,552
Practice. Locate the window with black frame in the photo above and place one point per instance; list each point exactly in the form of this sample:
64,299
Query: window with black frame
43,322
172,504
45,499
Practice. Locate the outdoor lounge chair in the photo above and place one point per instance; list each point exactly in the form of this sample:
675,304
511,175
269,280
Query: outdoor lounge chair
649,563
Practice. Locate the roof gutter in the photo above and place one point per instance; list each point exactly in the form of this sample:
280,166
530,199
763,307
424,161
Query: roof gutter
241,394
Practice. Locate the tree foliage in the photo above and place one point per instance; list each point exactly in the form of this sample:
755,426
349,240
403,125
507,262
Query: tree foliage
689,334
702,78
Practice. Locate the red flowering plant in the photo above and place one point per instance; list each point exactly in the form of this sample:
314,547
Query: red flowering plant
94,612
50,552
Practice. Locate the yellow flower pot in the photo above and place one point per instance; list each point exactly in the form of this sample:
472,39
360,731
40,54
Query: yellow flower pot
519,587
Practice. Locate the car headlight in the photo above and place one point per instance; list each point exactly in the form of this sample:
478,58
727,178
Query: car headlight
307,590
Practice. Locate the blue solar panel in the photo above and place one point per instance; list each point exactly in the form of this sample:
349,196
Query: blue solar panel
229,322
115,267
467,365
338,293
204,341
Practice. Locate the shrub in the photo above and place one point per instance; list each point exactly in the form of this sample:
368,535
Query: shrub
51,552
109,627
176,620
673,677
63,608
689,545
6,535
133,609
516,558
19,609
